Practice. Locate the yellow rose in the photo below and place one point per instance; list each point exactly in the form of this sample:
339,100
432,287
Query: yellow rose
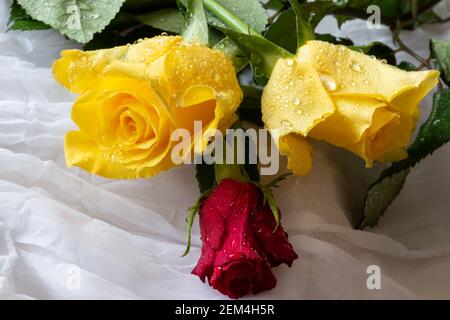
133,97
331,93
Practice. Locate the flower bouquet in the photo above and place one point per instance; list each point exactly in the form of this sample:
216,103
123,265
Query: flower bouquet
230,85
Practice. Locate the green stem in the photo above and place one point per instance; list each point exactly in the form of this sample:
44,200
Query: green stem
229,18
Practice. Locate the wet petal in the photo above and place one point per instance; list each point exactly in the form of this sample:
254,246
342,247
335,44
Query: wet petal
76,69
359,74
295,99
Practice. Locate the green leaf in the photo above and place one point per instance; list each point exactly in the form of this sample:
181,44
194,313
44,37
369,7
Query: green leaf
440,50
262,53
77,19
168,19
227,46
28,25
230,171
335,40
20,20
268,196
379,50
274,182
270,199
196,27
250,108
380,196
250,11
123,29
305,31
317,10
410,12
280,32
434,133
192,212
389,8
407,66
206,176
274,5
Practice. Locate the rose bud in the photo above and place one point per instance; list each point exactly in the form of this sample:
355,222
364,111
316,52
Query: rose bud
238,244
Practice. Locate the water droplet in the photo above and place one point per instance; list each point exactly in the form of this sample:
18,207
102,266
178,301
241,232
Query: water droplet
328,82
290,62
286,124
296,101
384,61
299,112
233,256
94,15
356,67
436,121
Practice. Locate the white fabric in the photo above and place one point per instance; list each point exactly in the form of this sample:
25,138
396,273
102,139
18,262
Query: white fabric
124,239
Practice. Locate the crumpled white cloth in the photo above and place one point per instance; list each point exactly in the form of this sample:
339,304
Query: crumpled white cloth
65,234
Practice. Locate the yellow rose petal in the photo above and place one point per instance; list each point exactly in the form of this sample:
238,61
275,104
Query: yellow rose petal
299,153
358,74
347,125
373,144
77,69
295,99
134,97
203,86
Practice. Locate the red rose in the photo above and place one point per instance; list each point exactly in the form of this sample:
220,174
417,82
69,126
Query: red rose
239,245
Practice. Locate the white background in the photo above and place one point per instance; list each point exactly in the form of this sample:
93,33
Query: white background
124,239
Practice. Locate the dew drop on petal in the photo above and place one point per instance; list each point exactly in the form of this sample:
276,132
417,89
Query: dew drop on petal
328,82
286,124
356,67
296,101
290,62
